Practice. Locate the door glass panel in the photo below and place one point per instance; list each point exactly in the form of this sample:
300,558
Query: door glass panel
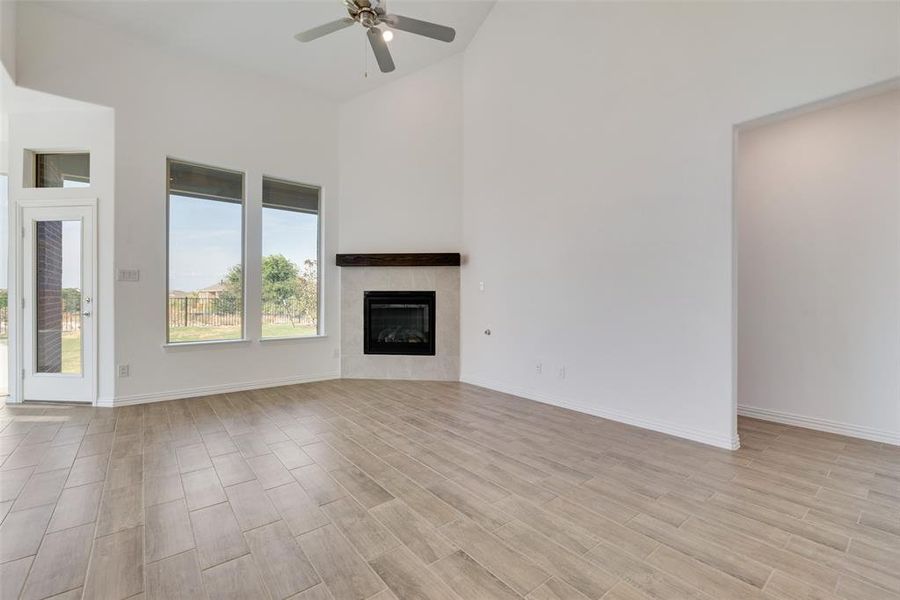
58,299
4,304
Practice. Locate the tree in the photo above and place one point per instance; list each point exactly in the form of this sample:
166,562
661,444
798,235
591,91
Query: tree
232,297
307,291
71,298
294,292
279,276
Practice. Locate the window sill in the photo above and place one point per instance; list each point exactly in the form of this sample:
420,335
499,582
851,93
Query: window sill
172,345
292,338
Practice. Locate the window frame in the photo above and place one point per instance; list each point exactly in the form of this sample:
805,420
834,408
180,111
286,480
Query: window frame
5,394
243,174
320,272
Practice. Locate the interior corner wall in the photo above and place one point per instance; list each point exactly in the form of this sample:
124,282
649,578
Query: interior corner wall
172,105
8,36
818,207
597,175
400,166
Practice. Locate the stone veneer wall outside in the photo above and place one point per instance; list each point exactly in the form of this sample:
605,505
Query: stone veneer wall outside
49,257
444,281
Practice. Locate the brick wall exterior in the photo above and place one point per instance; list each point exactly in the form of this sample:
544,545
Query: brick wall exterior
49,296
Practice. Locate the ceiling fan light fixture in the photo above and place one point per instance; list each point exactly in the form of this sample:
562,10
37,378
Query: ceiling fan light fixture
372,16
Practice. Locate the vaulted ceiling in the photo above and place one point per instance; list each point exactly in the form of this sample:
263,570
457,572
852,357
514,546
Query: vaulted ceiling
258,35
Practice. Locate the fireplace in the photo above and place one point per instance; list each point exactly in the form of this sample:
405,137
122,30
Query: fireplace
398,323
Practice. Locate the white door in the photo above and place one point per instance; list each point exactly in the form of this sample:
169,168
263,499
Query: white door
58,341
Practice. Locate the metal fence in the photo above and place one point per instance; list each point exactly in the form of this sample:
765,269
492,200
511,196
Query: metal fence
220,312
203,312
71,321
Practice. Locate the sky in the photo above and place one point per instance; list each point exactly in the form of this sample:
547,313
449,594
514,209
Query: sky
71,245
205,239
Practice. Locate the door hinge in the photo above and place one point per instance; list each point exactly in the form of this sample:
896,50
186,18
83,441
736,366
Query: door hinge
23,303
23,373
23,231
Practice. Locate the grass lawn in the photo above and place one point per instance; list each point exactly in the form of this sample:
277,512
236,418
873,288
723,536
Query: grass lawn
233,332
203,334
286,330
71,351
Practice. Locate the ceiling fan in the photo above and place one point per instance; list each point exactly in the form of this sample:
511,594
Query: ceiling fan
370,14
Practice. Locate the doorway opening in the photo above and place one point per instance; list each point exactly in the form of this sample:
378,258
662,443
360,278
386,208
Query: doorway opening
817,210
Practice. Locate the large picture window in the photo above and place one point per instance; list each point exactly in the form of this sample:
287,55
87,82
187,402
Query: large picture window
205,254
290,264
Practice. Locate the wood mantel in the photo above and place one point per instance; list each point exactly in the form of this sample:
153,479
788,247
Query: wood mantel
428,259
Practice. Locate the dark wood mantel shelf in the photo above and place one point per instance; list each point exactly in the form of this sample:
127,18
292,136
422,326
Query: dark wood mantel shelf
432,259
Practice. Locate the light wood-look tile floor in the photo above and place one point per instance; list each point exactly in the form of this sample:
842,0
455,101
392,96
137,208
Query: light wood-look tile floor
350,490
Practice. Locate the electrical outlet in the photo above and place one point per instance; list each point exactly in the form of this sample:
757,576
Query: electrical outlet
539,368
562,372
124,370
480,286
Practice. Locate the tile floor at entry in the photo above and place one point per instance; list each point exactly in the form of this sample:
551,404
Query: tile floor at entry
385,489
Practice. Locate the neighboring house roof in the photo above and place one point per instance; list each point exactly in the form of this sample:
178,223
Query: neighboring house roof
216,287
177,294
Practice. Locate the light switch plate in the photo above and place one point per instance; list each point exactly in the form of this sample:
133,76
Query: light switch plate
128,275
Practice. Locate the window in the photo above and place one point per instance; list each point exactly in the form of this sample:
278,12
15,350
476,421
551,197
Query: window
290,264
205,254
66,170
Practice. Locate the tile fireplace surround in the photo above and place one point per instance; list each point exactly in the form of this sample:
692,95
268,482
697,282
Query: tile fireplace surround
443,280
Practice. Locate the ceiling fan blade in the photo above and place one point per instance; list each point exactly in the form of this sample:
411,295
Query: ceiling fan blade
431,30
322,30
379,47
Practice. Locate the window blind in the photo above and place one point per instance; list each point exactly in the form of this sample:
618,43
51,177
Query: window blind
285,195
195,181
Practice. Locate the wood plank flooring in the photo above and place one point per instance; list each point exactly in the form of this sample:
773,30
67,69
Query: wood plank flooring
355,490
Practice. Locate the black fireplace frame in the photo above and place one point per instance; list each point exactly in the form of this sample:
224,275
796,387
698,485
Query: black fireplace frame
394,348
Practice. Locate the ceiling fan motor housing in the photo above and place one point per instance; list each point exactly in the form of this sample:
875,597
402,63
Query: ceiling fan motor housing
367,17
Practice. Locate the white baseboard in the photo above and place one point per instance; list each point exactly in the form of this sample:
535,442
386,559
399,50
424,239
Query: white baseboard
214,389
786,418
729,442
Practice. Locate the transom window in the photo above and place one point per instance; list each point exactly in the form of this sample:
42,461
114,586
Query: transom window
62,170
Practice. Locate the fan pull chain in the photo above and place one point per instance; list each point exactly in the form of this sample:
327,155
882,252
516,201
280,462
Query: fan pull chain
365,61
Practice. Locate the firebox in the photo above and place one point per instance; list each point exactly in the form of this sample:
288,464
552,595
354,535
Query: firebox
398,323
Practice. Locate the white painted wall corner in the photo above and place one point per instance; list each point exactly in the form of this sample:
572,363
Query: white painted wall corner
704,437
850,430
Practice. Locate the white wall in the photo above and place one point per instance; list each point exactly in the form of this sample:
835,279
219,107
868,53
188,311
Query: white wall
8,37
400,149
169,105
597,190
818,201
68,126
